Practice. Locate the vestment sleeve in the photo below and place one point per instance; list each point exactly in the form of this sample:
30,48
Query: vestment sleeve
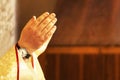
8,65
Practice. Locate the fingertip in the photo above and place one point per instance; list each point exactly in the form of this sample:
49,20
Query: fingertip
34,17
54,27
55,19
46,13
53,14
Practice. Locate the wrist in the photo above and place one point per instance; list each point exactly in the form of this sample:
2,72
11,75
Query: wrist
23,52
22,45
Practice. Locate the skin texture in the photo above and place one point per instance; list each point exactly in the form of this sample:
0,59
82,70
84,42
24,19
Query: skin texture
37,32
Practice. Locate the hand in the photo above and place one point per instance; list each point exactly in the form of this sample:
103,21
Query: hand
38,32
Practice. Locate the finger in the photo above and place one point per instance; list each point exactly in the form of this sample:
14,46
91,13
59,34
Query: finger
49,26
46,21
31,21
42,17
51,32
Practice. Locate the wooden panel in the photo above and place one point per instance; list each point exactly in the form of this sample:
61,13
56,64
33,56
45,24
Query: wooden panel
93,67
110,50
83,50
50,67
109,67
72,50
99,67
117,67
69,67
62,64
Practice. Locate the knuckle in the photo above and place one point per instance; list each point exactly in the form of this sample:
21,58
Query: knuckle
52,15
46,21
54,21
51,24
43,16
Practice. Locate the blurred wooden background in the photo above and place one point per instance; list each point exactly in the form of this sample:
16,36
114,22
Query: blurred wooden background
86,45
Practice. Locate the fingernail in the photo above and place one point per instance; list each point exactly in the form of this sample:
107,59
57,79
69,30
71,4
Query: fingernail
34,17
55,27
53,14
46,13
55,19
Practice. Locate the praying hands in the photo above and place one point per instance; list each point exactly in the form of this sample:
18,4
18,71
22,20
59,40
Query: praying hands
37,33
